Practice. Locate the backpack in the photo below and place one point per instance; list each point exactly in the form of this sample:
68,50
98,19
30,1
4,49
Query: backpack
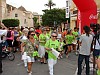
9,34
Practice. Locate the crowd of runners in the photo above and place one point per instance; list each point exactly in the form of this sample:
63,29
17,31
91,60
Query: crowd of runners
48,44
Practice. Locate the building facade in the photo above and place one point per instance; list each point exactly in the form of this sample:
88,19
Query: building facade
10,12
3,10
24,17
39,17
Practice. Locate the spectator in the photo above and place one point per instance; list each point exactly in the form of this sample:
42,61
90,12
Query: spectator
84,53
0,57
10,38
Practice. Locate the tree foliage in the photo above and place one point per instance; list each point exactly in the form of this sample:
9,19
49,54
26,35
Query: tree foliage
11,22
53,17
35,20
50,4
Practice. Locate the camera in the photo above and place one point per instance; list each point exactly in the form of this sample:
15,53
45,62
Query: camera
95,27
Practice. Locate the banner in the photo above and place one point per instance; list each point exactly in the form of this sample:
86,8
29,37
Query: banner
87,12
79,20
67,8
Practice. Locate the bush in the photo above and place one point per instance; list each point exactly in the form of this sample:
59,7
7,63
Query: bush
11,22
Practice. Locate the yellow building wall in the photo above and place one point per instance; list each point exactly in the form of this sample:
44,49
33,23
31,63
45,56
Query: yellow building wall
98,6
73,7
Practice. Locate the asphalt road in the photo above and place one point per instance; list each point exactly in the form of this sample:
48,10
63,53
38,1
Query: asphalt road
64,66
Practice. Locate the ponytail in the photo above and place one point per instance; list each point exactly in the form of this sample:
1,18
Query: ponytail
87,30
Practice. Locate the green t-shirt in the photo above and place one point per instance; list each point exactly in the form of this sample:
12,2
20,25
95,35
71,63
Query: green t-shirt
69,39
61,45
42,38
35,53
98,72
52,44
48,35
75,34
35,37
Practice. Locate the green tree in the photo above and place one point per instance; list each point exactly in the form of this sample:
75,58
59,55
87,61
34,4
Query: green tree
50,4
11,22
53,17
35,20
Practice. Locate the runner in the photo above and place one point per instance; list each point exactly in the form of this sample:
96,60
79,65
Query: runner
29,49
41,50
75,33
69,39
61,49
59,34
48,34
52,59
23,39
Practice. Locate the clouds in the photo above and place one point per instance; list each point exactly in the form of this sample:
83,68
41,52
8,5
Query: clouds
36,5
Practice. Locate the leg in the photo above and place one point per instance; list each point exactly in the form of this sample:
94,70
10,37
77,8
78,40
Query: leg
74,47
0,65
50,65
80,60
87,65
29,67
30,61
25,62
0,58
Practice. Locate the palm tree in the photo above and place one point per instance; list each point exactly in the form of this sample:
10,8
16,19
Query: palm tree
50,4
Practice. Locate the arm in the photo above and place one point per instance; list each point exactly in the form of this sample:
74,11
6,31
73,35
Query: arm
47,45
48,49
98,63
2,25
22,45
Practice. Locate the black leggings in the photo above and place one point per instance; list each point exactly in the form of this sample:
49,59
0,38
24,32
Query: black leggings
0,57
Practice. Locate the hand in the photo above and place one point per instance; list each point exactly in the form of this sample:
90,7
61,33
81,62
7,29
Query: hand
50,49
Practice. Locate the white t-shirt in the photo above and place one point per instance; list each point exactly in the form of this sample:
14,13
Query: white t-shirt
59,36
85,44
3,32
97,46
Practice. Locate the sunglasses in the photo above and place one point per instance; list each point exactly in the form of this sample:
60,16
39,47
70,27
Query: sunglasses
32,34
47,30
54,36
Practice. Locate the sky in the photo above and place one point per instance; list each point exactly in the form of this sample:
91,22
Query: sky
36,5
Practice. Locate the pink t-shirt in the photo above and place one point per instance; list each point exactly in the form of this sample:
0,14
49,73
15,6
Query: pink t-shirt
12,36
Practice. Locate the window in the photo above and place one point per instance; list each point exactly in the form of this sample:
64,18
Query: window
24,21
75,11
16,15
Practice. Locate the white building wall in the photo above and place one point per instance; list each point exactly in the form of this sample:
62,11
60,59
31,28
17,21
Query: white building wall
24,21
3,9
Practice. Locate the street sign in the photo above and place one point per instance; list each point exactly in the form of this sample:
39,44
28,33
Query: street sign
67,8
